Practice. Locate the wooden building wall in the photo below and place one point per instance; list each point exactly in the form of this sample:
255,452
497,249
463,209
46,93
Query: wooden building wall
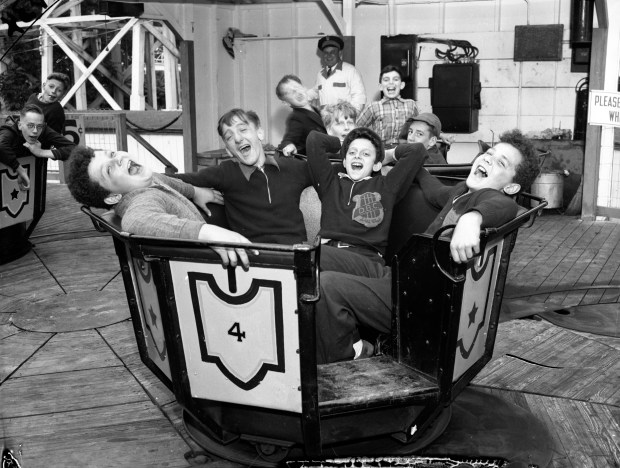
531,95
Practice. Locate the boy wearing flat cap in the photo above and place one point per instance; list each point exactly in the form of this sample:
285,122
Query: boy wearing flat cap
424,128
337,80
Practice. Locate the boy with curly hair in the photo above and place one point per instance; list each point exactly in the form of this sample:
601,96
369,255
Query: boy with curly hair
148,204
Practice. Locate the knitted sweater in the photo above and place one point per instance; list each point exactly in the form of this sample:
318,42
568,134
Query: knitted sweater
263,207
360,212
162,210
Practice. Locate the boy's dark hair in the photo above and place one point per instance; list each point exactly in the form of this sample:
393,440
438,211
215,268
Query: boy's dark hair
367,134
244,116
64,79
332,112
285,79
391,68
528,170
83,189
30,108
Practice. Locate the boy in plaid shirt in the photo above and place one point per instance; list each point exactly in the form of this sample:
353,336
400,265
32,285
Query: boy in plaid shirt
387,116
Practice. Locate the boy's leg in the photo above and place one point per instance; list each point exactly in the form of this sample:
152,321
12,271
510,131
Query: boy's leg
345,260
346,302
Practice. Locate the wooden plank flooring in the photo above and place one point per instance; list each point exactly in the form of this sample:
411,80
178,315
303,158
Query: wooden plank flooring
82,397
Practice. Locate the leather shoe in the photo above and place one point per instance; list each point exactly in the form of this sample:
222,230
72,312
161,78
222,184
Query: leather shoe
368,350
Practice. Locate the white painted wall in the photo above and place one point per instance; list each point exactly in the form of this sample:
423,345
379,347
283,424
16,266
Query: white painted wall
531,95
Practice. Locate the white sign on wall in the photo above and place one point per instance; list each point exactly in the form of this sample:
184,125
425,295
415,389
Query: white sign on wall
604,108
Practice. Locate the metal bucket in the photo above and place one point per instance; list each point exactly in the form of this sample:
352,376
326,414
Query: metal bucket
550,186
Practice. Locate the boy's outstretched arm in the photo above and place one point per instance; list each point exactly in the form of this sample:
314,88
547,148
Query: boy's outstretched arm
465,241
491,209
230,256
319,147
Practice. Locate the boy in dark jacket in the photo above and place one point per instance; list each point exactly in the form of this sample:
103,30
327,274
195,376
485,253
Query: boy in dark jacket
304,118
357,207
48,100
30,136
261,191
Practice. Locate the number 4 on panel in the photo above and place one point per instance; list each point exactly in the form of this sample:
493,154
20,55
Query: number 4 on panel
235,331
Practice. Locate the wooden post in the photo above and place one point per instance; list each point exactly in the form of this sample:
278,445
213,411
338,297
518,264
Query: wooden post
591,157
120,120
170,73
47,56
188,98
81,102
117,70
137,101
149,67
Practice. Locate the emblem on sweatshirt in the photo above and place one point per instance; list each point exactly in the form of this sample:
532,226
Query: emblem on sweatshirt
368,209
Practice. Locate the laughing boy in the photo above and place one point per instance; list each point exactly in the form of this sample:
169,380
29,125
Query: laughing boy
388,115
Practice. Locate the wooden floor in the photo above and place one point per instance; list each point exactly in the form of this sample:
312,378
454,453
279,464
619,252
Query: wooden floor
73,391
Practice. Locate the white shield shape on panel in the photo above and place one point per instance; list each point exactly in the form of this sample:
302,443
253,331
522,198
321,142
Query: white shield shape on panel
12,199
241,334
475,312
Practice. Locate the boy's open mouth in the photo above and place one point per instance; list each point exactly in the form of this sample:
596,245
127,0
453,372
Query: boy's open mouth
357,165
481,172
245,149
133,167
48,98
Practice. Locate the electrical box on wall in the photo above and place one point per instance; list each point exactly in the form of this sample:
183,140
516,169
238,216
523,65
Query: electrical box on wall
400,51
455,96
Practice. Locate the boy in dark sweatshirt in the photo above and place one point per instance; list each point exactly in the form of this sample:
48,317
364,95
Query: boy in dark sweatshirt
357,206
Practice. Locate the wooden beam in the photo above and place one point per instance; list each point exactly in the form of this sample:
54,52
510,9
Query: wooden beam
76,42
171,71
47,56
87,74
591,158
602,16
93,66
116,65
121,132
170,168
149,68
89,58
188,98
137,101
69,20
348,9
335,16
161,38
156,13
